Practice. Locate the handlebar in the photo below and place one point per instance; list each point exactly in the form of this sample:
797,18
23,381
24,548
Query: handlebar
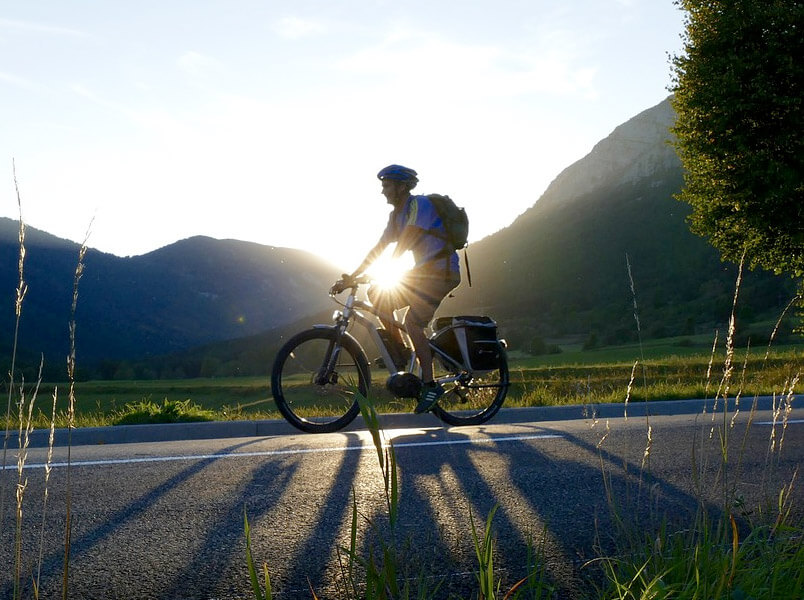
348,282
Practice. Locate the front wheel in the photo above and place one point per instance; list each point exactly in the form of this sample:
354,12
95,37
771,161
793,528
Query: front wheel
316,378
475,396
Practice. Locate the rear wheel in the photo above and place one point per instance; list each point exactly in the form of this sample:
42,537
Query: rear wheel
316,378
476,396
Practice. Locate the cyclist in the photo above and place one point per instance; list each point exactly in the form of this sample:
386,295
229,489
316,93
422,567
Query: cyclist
414,225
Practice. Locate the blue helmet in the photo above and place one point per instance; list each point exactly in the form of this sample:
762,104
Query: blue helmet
398,173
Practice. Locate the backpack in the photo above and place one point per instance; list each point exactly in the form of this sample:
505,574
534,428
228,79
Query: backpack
454,219
456,225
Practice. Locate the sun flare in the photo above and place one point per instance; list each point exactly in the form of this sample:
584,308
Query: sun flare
388,270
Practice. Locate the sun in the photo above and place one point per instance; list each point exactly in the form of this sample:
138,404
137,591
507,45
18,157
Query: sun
388,270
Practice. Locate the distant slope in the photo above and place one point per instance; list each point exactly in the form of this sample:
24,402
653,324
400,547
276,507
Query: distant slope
193,292
562,267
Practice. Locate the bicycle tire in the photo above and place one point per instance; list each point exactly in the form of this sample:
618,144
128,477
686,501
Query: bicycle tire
476,396
311,399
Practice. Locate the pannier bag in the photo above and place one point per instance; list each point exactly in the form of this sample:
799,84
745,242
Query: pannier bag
469,340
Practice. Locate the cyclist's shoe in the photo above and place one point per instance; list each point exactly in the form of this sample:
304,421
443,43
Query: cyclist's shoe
428,397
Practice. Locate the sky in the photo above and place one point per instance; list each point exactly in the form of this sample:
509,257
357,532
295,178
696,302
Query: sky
144,123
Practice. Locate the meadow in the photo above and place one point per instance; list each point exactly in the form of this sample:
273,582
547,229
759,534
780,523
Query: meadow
658,370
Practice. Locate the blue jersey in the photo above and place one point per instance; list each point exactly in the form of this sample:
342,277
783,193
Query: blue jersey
419,219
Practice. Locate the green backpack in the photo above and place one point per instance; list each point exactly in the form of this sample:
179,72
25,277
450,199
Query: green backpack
454,219
456,225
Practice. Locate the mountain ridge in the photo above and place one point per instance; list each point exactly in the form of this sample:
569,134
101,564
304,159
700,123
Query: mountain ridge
192,292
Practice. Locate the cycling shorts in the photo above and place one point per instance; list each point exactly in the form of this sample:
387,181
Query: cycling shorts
422,292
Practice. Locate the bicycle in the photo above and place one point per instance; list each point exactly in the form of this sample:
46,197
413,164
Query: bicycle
318,373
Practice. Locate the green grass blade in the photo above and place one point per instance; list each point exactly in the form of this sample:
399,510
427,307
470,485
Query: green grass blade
252,571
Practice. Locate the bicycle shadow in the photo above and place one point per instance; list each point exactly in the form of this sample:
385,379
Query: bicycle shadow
299,506
545,499
293,517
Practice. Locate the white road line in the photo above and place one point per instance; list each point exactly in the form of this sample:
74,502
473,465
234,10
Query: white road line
156,459
780,422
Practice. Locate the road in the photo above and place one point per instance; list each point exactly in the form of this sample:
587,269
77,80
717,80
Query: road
165,519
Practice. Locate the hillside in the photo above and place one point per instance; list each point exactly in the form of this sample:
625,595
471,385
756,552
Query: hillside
561,268
189,293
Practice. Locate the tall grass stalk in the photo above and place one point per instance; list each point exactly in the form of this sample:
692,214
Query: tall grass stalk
717,556
484,552
25,416
383,571
649,440
48,469
711,363
386,457
79,271
628,389
25,419
252,569
22,288
728,486
795,300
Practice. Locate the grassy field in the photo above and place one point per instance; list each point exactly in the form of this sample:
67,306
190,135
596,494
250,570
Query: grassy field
661,370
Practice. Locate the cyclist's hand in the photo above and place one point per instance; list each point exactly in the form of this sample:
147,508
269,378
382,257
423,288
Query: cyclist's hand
344,282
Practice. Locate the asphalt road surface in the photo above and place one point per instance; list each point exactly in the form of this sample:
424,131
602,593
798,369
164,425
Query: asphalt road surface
165,519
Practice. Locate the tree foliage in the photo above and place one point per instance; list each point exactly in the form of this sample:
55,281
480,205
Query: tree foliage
738,98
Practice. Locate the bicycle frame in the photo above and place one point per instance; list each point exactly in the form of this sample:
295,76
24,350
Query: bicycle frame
351,314
464,402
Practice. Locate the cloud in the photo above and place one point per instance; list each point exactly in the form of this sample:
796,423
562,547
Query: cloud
478,70
295,27
29,26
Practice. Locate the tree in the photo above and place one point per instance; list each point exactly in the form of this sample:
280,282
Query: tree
740,128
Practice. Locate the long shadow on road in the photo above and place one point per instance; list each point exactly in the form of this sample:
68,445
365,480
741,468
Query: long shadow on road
543,497
295,513
552,487
104,531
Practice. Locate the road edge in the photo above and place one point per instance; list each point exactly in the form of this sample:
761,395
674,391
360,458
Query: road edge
127,434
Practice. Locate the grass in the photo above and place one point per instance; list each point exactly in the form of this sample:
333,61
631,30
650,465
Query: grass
671,377
710,560
102,403
597,376
170,411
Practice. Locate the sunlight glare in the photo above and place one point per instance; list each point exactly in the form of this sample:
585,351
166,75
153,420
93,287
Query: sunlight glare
388,270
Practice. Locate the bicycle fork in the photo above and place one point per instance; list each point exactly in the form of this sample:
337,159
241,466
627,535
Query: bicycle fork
327,374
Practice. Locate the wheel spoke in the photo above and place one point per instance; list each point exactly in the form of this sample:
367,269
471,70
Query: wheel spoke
473,398
312,391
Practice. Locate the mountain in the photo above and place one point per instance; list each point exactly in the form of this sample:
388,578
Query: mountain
606,234
608,222
189,293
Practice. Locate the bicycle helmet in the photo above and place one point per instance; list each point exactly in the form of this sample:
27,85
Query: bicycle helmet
398,173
